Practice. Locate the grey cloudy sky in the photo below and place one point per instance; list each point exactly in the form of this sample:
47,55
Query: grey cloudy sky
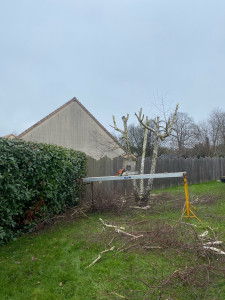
113,55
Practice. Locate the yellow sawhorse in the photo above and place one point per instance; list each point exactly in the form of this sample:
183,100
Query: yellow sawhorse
187,212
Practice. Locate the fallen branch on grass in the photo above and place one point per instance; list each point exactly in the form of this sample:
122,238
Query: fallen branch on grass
206,245
100,256
119,229
79,210
152,247
128,234
204,234
213,243
118,295
125,249
140,207
111,226
213,249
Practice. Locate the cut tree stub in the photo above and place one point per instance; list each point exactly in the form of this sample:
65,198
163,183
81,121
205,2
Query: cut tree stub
129,165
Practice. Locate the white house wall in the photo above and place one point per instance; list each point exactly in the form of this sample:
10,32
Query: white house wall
72,127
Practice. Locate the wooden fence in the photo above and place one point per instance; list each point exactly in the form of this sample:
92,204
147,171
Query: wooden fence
198,170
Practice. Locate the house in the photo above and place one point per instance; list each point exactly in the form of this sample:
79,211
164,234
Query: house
73,126
9,136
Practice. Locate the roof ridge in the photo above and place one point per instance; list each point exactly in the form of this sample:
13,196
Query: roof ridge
74,99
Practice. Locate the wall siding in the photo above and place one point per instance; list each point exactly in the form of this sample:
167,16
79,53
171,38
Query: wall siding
72,127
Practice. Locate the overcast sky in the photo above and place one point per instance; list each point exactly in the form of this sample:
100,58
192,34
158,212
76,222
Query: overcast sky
115,56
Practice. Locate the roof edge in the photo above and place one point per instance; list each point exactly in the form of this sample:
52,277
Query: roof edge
74,99
11,135
45,118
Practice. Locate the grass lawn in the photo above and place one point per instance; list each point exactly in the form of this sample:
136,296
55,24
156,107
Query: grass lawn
166,264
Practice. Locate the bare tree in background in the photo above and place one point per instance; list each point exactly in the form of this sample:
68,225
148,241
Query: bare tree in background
221,147
216,123
214,129
136,138
202,146
183,135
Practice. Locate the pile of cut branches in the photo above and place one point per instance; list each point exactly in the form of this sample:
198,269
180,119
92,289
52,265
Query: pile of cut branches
205,252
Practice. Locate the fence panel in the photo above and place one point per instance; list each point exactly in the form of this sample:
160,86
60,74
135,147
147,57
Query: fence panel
198,170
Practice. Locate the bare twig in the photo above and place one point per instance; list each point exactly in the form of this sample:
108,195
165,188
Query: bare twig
128,234
210,228
111,226
118,295
141,207
122,248
127,248
204,234
119,229
215,250
100,256
152,247
213,243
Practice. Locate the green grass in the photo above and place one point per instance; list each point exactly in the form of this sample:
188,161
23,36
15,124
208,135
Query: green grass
51,264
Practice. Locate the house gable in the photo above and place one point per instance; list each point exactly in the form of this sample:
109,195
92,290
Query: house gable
73,126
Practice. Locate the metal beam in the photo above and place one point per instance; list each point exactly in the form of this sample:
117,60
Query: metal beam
130,177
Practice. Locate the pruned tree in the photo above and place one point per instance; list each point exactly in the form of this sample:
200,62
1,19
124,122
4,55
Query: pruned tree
138,191
144,125
125,134
125,137
161,130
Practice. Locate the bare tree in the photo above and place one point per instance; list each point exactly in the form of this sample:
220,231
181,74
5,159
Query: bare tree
202,146
161,130
214,129
125,137
136,137
144,125
138,191
183,133
216,123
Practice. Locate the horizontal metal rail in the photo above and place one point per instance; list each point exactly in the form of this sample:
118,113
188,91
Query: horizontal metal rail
130,177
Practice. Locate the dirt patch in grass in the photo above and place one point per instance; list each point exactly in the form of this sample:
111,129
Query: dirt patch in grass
206,199
120,204
165,201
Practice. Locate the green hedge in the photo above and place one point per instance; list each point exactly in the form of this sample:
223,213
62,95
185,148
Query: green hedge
37,181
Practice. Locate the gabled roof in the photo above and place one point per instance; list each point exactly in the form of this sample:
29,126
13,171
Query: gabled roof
9,136
59,109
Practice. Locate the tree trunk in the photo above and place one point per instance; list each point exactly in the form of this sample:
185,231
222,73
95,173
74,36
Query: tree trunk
152,170
141,192
154,160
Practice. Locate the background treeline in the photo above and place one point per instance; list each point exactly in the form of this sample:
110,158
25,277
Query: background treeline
188,139
37,181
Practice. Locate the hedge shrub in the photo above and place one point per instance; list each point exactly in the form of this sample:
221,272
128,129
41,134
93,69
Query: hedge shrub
36,182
